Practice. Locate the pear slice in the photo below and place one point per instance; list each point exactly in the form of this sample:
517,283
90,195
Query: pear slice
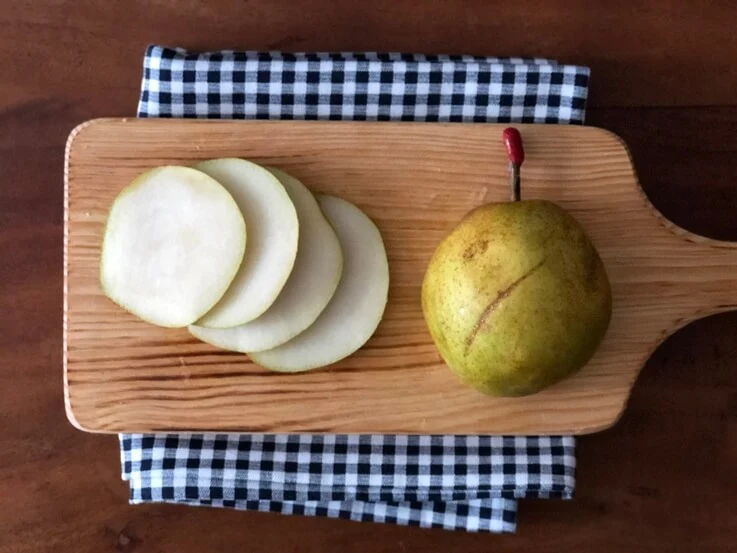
357,306
313,281
173,242
273,233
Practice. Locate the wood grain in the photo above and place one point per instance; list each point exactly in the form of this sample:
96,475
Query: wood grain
661,480
416,181
670,53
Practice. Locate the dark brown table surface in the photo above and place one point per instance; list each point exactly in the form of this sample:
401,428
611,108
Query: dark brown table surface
664,78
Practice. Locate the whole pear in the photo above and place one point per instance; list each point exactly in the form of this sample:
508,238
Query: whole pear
516,297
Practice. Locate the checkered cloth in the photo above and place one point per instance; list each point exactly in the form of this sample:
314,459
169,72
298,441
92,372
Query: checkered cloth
453,482
360,87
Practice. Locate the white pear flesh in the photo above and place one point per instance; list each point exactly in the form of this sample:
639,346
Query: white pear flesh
356,308
314,279
173,242
273,234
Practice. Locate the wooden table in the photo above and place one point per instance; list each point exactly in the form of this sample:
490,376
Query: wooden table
663,479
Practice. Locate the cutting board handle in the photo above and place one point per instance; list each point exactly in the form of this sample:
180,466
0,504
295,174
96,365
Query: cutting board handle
708,271
714,275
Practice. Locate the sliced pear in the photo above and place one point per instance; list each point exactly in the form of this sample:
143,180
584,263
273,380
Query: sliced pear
173,242
273,233
313,281
357,306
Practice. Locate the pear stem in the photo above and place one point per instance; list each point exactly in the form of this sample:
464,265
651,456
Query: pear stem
515,184
516,154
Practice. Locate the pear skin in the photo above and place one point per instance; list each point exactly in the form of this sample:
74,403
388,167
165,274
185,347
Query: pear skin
516,298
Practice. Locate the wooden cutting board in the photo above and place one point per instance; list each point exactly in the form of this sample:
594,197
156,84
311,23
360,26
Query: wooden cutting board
416,180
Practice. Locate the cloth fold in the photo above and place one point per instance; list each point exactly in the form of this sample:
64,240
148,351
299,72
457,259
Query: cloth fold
453,482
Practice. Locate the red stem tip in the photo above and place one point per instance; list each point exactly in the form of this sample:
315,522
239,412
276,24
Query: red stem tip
513,142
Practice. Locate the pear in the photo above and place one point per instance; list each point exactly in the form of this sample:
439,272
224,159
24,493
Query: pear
356,308
516,297
273,235
312,283
173,242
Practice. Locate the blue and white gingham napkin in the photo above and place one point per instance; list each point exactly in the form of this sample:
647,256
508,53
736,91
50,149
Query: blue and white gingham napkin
453,482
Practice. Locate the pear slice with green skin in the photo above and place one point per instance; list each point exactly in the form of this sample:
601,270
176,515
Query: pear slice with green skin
310,287
273,234
357,306
173,242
